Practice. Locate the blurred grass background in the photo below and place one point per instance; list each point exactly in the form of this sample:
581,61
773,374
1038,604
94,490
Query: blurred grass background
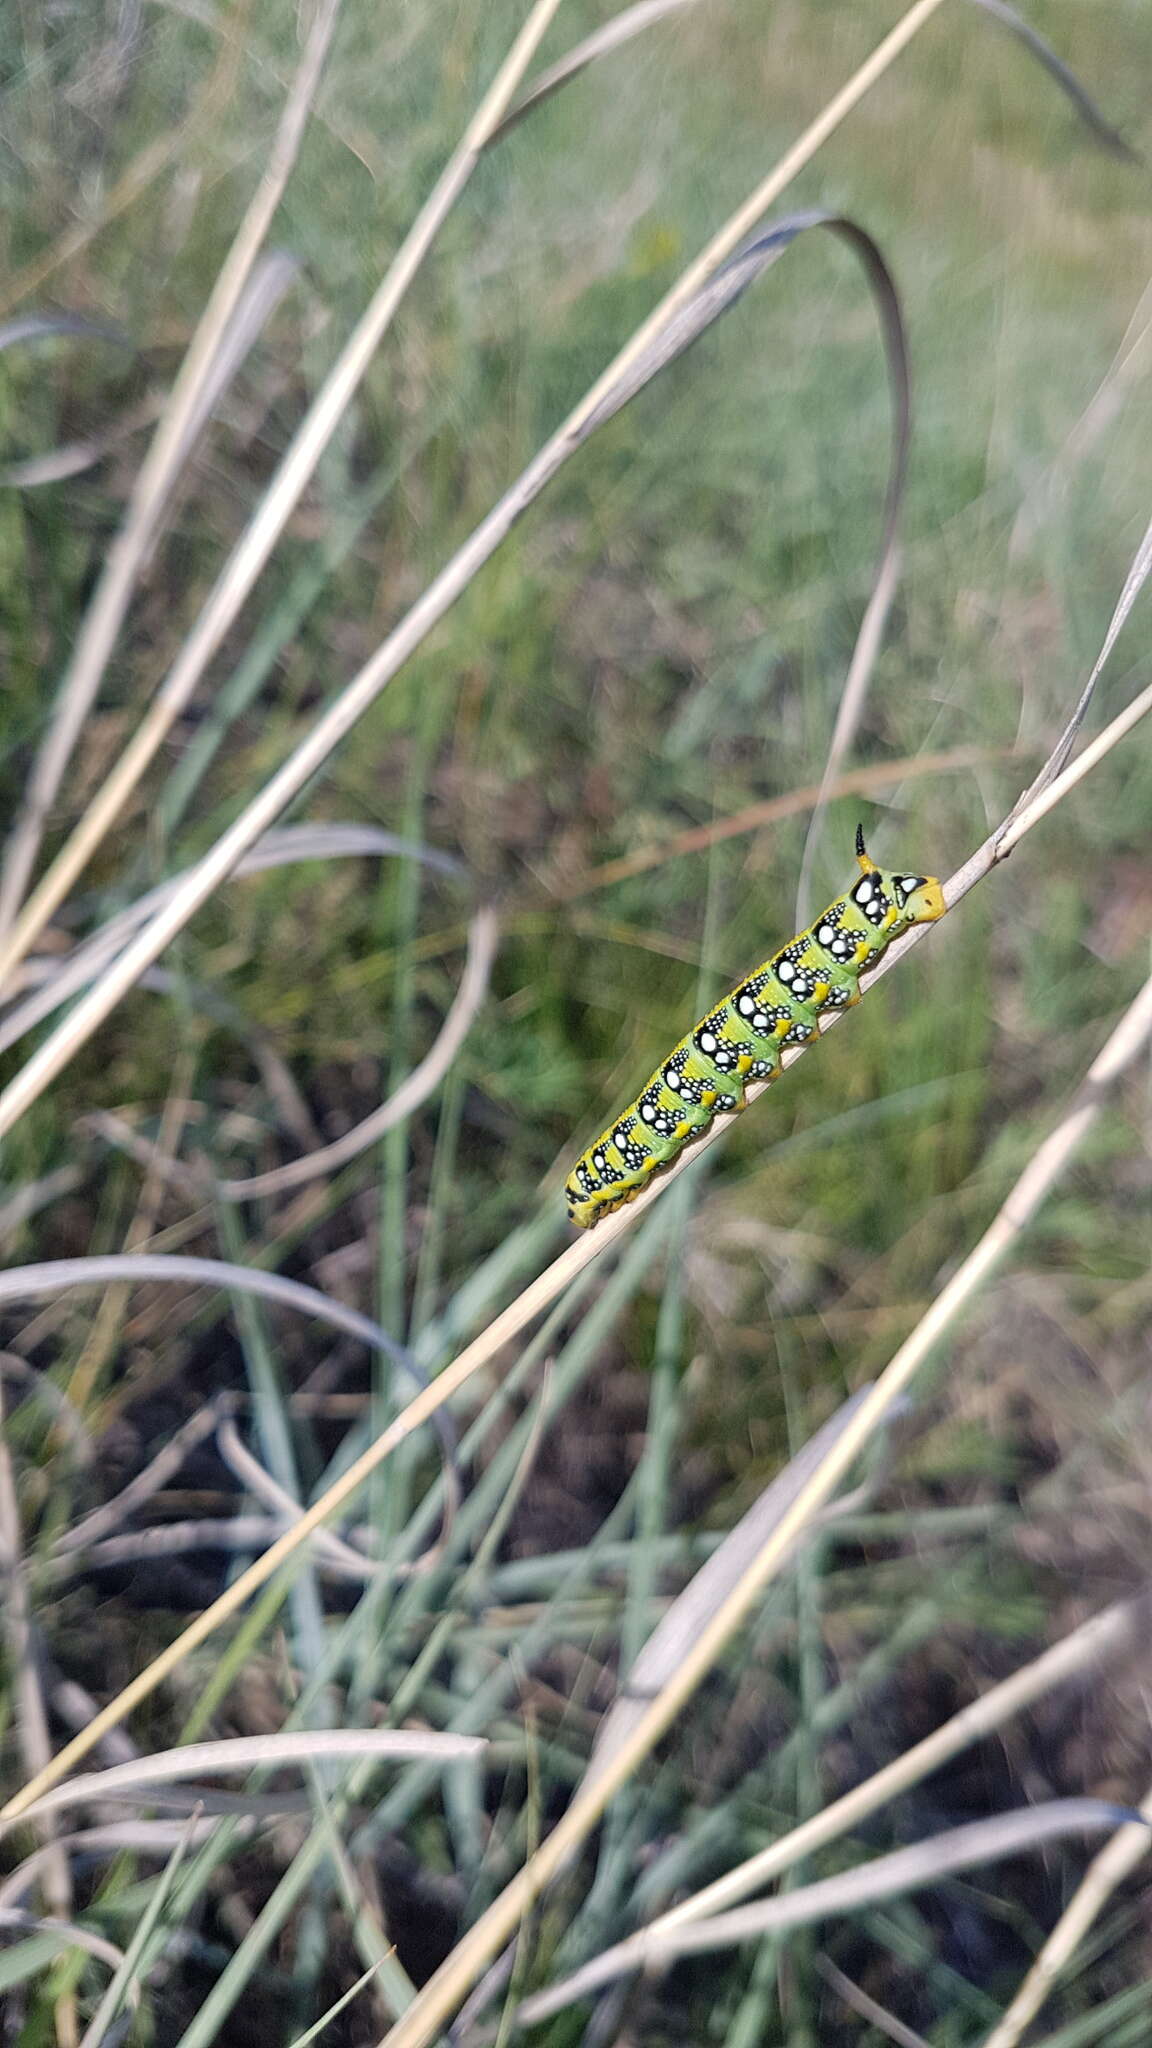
661,642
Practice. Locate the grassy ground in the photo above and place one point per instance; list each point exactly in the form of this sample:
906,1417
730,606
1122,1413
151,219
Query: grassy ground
660,643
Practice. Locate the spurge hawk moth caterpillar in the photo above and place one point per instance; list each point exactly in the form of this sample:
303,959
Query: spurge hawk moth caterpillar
742,1038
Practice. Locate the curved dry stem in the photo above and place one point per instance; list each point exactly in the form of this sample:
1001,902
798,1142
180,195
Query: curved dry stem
155,1474
253,1475
886,1877
442,1995
853,699
1123,1046
141,1837
1116,1861
70,1936
483,936
1106,1635
56,1276
612,35
248,559
221,338
246,1753
64,978
424,1079
645,353
32,1729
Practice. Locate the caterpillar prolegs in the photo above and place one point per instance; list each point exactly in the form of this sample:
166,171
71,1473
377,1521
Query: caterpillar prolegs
743,1037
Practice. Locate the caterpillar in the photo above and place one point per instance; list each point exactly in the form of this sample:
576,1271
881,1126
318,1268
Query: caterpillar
743,1037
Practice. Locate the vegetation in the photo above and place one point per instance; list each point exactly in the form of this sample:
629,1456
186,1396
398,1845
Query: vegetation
657,648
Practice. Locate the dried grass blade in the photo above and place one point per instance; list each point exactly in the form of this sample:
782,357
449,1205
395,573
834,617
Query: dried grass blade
185,414
1116,1861
769,811
248,559
55,1276
621,29
886,1877
671,1641
63,978
1108,137
244,1753
425,1077
1106,1635
446,587
1133,584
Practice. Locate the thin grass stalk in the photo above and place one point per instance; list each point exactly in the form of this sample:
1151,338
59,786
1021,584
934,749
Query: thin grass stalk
183,417
1106,1635
867,2008
125,1983
312,437
32,1728
885,1877
1116,1861
244,1753
341,716
572,1262
444,1992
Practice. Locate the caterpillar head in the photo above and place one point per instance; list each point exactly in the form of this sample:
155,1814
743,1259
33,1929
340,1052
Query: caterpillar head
919,899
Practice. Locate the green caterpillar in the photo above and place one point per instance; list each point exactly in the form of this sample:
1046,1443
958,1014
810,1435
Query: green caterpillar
743,1037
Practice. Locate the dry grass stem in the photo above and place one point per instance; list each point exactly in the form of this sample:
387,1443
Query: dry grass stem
859,2002
341,716
861,668
671,1641
248,559
34,1738
59,978
1106,1635
507,1326
1116,1861
426,1076
211,357
618,30
244,1753
155,1474
885,1877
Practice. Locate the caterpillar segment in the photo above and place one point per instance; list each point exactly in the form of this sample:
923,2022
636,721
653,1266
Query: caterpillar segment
742,1039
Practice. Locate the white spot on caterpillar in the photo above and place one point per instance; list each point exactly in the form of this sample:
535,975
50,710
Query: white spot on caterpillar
647,1112
672,1080
786,970
825,935
746,1006
708,1041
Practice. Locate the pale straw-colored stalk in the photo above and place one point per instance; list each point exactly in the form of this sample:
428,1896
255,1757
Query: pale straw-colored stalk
1116,1861
183,417
343,714
1117,1629
444,1992
509,1324
244,1753
248,559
